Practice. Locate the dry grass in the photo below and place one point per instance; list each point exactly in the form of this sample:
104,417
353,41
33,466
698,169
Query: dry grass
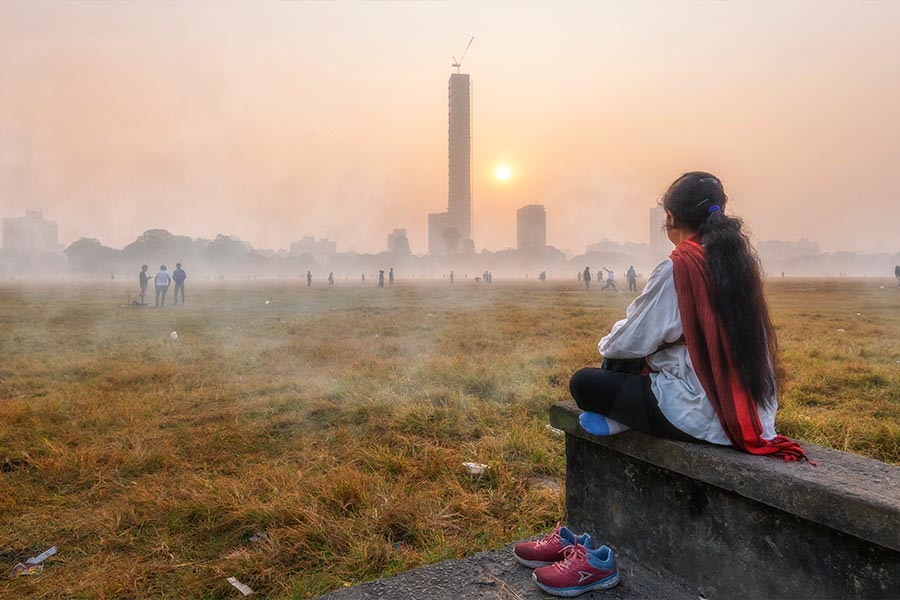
335,421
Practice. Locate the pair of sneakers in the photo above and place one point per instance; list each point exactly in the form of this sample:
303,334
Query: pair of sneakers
568,565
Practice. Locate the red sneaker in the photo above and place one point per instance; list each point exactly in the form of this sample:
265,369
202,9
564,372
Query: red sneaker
580,571
550,548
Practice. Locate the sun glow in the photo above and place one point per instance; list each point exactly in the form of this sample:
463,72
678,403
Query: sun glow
502,173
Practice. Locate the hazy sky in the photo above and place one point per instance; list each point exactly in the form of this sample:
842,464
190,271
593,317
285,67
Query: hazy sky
271,120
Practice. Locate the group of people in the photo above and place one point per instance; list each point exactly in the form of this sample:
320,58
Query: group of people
162,281
390,276
630,276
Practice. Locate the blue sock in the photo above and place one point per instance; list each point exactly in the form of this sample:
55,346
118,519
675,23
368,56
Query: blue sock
597,424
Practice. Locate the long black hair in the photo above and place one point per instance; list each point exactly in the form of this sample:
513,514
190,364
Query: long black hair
736,276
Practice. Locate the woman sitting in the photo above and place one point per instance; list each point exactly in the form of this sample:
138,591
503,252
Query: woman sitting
695,358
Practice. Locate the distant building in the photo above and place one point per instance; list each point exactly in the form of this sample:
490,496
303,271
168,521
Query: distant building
459,202
531,227
321,249
31,235
777,250
639,251
398,242
658,241
441,234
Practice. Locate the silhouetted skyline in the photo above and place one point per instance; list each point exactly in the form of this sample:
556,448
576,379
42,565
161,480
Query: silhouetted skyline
271,120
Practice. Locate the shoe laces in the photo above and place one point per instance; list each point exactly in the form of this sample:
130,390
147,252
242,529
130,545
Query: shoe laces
550,537
575,552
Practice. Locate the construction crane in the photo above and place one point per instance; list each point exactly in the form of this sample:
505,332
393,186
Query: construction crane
458,63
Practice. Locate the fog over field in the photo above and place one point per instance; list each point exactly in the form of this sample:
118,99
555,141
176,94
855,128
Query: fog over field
302,439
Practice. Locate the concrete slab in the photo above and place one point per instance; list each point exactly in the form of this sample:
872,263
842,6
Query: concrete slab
496,575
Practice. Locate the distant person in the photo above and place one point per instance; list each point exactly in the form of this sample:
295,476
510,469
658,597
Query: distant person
542,276
631,276
331,279
178,276
381,278
451,277
309,279
391,277
363,277
586,277
143,279
579,276
897,274
610,280
162,282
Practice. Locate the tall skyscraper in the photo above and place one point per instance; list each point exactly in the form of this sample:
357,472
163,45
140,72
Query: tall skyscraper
459,202
531,227
659,243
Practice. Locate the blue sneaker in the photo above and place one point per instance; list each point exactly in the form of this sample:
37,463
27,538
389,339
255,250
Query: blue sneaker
550,548
582,570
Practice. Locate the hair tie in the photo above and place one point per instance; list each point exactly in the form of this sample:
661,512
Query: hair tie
714,208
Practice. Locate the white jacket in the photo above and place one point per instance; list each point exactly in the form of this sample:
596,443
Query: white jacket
650,320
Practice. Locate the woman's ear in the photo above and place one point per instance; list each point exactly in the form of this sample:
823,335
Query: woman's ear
670,220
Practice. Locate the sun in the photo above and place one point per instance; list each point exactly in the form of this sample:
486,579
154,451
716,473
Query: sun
502,173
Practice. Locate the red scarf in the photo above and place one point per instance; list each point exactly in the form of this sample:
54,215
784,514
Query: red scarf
710,352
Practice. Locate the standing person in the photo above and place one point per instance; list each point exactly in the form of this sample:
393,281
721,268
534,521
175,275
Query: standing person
331,279
707,340
586,276
162,282
897,274
631,276
391,277
579,276
610,280
381,278
309,279
363,277
178,276
143,280
451,277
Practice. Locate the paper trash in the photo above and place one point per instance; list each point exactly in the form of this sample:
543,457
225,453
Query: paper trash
240,586
36,560
174,335
475,468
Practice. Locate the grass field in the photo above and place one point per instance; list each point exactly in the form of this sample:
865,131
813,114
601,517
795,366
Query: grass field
335,421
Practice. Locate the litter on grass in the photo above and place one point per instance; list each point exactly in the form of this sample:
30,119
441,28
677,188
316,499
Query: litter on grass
554,430
841,330
36,560
240,586
23,570
259,536
32,566
475,468
174,335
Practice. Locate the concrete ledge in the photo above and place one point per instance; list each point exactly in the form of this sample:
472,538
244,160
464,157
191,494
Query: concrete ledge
736,525
495,575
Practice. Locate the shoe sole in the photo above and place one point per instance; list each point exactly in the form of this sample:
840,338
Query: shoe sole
531,564
605,584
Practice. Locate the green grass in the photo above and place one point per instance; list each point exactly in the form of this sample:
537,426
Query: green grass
336,421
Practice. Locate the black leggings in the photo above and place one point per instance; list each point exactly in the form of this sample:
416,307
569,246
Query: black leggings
625,398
